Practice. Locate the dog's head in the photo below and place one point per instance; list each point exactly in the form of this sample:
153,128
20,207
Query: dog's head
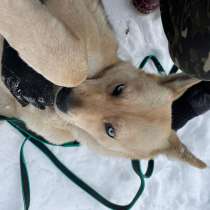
124,109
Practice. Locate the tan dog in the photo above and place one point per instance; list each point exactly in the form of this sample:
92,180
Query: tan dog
118,110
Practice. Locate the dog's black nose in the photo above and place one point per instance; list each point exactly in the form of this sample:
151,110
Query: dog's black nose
63,99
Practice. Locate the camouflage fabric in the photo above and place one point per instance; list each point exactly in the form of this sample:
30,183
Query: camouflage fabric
187,27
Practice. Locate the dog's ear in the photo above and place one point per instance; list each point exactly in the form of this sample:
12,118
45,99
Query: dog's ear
179,151
178,83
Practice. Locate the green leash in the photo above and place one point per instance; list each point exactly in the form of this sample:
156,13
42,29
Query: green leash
41,143
158,66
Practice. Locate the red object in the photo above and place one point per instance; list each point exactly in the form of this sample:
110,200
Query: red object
146,6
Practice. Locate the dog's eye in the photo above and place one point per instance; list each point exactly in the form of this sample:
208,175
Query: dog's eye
118,90
110,130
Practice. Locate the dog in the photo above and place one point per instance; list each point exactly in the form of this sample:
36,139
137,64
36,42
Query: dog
107,103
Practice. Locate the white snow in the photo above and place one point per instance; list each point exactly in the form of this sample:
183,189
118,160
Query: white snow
173,186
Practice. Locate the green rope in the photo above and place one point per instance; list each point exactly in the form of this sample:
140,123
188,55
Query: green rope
158,66
41,143
24,177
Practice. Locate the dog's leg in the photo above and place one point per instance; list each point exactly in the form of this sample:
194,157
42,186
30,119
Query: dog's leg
43,41
179,151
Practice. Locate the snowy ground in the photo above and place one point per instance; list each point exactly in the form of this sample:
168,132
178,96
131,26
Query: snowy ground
173,186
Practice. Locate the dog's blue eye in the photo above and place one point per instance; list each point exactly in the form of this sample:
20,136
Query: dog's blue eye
110,130
118,90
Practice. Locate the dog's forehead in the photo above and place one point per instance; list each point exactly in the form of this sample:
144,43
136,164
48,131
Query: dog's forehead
144,129
145,119
144,124
135,132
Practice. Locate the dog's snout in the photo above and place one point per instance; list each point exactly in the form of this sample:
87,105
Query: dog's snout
63,99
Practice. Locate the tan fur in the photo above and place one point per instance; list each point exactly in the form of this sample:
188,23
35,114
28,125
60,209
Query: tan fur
70,40
180,151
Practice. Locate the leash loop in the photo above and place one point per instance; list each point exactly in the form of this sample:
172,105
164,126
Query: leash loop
158,66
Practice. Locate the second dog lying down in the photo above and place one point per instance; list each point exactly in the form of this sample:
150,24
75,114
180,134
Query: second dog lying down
118,110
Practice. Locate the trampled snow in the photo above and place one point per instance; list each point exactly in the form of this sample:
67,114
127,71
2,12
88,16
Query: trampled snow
173,186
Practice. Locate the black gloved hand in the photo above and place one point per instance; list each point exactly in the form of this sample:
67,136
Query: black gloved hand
195,101
26,85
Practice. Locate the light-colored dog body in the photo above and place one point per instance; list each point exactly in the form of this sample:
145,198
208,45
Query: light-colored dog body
69,41
78,33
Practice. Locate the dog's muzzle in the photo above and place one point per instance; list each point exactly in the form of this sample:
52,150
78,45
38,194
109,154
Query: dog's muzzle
63,99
